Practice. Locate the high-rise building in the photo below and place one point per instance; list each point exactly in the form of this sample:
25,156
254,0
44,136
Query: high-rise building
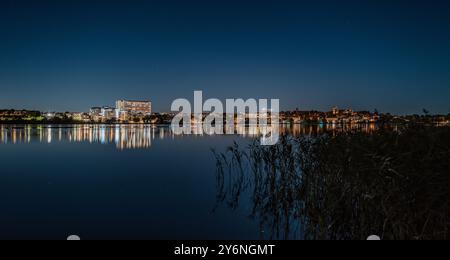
143,108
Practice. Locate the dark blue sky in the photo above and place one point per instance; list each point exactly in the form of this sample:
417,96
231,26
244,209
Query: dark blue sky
71,55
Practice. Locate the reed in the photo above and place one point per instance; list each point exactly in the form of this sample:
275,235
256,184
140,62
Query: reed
350,185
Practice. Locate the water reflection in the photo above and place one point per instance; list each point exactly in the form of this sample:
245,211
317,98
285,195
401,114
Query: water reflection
393,183
123,136
141,136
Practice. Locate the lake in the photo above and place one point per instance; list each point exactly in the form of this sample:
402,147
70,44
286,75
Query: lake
119,182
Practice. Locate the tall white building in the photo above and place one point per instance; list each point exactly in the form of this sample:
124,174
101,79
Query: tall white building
131,107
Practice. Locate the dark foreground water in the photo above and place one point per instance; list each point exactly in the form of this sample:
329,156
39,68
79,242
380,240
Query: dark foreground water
116,182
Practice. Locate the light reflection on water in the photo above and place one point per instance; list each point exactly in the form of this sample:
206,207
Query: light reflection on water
141,136
164,189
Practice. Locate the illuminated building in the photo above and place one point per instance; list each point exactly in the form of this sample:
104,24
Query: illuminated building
100,114
81,117
95,111
122,115
335,110
134,108
95,114
49,115
108,113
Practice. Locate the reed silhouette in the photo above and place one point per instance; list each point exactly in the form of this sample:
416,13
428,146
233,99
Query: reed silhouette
344,186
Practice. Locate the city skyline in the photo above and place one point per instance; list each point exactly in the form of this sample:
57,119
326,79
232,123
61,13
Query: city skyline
366,55
113,105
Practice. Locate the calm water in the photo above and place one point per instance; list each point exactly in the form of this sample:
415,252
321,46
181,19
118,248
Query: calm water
117,182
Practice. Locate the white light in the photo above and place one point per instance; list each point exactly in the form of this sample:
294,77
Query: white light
73,238
373,238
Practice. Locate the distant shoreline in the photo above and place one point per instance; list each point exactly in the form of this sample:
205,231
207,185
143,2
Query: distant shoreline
168,124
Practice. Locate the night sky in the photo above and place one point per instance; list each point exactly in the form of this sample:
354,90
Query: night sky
393,56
